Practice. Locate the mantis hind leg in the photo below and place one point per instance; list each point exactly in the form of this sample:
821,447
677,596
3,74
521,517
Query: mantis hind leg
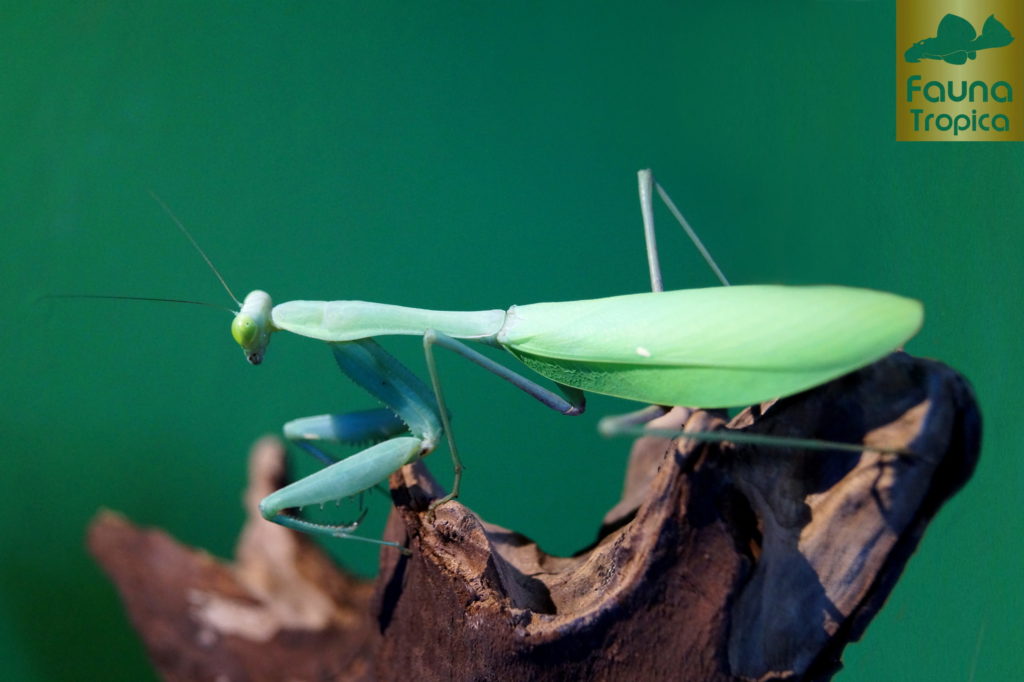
648,186
626,424
634,422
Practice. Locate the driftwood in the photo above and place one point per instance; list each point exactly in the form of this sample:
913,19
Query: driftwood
721,562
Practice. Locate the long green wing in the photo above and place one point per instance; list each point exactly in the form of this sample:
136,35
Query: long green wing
716,347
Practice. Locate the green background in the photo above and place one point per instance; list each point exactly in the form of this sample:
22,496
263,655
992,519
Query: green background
455,156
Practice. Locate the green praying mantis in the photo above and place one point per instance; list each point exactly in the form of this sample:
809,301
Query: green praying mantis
714,347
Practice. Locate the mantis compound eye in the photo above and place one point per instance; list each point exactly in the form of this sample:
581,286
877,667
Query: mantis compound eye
243,329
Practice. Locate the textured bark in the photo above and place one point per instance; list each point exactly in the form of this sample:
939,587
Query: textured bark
721,562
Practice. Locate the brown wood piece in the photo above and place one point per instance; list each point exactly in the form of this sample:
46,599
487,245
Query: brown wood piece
721,562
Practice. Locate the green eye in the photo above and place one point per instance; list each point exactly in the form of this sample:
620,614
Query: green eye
244,330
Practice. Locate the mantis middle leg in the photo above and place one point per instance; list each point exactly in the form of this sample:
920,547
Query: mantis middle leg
570,401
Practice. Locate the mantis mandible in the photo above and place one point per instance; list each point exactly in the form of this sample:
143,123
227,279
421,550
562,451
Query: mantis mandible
715,347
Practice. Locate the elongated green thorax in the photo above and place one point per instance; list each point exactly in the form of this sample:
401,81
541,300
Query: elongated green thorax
335,321
252,326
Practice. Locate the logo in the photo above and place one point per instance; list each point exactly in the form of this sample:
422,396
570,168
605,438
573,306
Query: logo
957,84
955,41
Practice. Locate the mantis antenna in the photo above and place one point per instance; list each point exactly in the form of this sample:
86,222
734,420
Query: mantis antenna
196,245
198,248
138,298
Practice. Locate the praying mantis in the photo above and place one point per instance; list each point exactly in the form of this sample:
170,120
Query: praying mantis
714,347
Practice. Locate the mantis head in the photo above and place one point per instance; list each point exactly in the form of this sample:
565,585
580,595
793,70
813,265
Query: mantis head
252,327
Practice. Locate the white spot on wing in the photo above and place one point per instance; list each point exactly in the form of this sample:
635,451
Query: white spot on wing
643,352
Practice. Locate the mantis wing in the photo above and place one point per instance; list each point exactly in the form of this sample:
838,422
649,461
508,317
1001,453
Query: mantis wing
718,347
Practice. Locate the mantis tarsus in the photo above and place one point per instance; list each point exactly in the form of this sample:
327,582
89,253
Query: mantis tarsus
716,347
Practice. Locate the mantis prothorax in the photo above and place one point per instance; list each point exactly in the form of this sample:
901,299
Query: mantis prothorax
715,347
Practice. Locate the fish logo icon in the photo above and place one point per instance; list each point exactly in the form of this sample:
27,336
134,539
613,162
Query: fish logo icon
955,40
